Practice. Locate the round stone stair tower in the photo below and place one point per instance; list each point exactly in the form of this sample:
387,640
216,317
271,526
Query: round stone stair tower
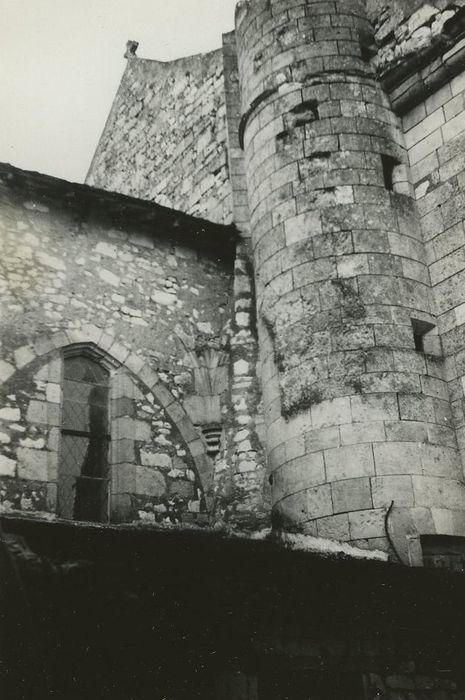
359,437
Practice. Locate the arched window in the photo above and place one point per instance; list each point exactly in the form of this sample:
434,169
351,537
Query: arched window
83,472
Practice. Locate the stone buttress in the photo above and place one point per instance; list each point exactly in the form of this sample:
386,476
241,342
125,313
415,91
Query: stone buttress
359,440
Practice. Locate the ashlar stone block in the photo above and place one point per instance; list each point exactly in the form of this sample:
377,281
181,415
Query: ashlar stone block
435,492
386,489
150,482
349,461
43,412
298,475
331,412
367,524
351,495
319,502
322,439
335,527
397,458
362,432
374,407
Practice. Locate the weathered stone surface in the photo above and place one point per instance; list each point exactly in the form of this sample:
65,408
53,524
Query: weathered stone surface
349,462
10,414
156,459
319,502
6,370
150,482
367,524
351,495
187,135
33,464
7,466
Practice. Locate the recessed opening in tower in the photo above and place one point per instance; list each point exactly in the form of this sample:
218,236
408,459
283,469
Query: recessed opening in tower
395,175
283,139
421,329
305,112
389,164
367,47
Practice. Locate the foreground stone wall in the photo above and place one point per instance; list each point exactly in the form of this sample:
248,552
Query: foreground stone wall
165,138
435,135
143,290
400,682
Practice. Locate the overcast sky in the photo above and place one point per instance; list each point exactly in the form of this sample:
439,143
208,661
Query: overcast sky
61,62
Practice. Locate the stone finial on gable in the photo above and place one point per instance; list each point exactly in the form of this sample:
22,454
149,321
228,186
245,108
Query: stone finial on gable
131,48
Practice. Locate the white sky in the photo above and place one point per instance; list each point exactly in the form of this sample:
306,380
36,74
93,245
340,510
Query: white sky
61,62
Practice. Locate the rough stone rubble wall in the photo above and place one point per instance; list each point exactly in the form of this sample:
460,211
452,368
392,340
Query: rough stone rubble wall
160,312
403,28
435,135
165,139
248,458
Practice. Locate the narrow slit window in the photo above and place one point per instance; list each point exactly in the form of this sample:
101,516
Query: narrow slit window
367,47
83,463
421,329
389,164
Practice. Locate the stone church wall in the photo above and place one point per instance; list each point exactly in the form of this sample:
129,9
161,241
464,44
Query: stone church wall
165,138
140,287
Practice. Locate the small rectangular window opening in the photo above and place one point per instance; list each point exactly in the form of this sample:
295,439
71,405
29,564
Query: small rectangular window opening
420,330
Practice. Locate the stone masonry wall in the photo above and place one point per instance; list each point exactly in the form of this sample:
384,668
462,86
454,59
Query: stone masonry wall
165,138
402,30
131,284
435,136
341,279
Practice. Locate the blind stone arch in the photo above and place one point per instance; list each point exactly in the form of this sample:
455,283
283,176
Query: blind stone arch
103,347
